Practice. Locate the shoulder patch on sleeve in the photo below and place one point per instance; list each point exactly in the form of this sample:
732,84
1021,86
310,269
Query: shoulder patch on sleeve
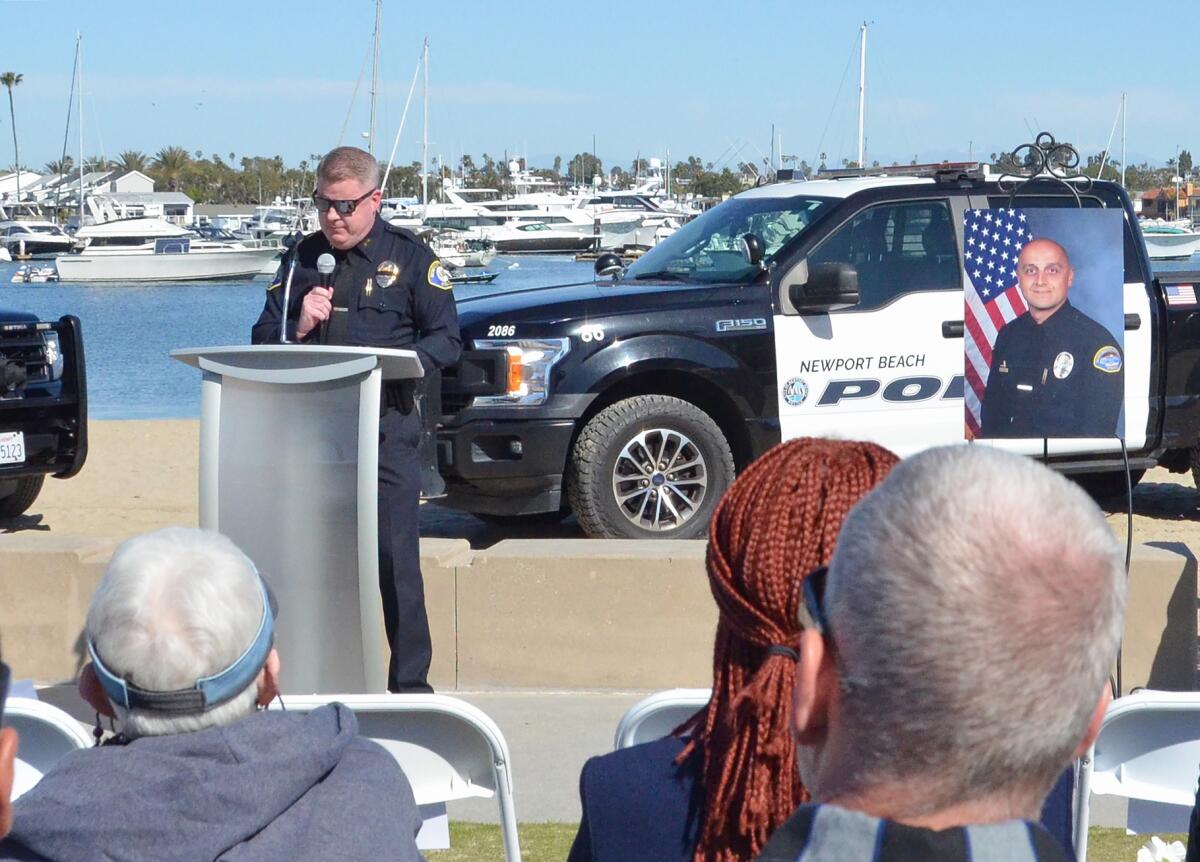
1107,359
274,284
439,276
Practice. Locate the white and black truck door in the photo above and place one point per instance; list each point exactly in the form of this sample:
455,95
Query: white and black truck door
868,328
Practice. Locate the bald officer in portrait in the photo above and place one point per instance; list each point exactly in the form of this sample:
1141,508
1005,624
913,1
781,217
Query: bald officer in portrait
1055,372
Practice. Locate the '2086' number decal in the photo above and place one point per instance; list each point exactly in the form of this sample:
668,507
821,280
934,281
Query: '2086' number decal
501,330
590,333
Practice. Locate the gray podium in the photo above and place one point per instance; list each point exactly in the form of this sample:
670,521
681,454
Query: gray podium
289,453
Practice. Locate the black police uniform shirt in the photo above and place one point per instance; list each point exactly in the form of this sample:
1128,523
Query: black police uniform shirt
390,290
1061,378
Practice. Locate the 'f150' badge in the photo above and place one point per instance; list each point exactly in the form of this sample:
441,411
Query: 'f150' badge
744,324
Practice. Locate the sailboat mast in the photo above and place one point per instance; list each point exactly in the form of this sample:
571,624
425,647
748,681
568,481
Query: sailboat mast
862,90
1122,140
79,56
374,77
425,132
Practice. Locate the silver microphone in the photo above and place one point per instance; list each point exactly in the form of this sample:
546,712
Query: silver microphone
325,266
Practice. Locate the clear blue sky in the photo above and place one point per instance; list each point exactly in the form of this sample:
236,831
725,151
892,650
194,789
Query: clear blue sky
706,77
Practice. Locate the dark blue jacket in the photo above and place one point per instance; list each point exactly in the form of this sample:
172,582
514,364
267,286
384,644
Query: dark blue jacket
637,804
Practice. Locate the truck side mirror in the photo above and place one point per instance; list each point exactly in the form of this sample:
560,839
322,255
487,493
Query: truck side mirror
830,286
752,249
609,264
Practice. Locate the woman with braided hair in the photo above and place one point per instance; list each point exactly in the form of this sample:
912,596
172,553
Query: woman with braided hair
718,787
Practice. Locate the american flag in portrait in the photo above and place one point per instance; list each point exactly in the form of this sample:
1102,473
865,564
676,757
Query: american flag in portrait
992,241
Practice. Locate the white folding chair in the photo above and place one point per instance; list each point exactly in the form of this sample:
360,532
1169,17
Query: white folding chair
655,716
1148,751
447,748
47,734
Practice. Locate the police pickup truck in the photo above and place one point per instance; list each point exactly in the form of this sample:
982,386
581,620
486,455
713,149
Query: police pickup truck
832,307
43,406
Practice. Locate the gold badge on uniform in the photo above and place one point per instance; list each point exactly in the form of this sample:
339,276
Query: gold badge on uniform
386,274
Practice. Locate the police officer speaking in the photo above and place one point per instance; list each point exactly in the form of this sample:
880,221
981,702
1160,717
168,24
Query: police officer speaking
1055,372
387,290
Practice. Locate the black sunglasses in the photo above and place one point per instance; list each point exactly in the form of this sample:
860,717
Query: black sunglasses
5,678
812,616
812,608
344,208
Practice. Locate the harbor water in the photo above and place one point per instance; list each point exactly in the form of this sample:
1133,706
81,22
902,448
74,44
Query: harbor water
130,330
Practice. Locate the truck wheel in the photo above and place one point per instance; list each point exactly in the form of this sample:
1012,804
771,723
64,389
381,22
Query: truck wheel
648,467
21,497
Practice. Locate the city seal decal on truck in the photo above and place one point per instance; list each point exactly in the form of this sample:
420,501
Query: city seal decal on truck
795,391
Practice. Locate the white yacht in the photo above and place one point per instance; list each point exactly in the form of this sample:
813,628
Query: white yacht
34,238
1170,240
152,249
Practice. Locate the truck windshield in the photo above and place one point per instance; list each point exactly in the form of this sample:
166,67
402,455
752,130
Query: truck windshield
709,248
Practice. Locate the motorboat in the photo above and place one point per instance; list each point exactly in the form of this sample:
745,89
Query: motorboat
152,249
34,238
1170,240
458,250
27,273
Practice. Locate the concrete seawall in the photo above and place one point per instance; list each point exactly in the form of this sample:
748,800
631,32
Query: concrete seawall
573,614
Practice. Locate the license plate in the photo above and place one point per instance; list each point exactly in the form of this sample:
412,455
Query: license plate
12,447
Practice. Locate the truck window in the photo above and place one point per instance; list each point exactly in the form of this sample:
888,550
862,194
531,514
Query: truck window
896,248
709,248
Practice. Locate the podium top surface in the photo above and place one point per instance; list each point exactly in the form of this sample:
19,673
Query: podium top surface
300,363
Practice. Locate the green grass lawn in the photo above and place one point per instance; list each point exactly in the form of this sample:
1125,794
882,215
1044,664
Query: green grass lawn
549,842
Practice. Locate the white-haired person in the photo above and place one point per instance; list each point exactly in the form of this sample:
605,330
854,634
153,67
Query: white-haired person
954,659
180,634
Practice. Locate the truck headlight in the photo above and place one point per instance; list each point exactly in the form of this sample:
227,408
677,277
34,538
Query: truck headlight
54,357
527,373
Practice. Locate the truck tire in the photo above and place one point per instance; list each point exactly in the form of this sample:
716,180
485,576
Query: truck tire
648,467
21,497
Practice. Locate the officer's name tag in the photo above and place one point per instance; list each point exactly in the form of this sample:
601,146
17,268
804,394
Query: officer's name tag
1024,387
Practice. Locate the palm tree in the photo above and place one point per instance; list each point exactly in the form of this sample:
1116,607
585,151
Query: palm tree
133,160
60,167
10,80
170,164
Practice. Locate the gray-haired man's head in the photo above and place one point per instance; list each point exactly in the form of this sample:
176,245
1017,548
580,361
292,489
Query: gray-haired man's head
176,606
975,603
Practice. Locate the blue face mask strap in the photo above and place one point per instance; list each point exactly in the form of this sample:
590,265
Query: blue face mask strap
209,691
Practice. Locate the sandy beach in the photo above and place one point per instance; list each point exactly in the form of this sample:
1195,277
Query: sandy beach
141,475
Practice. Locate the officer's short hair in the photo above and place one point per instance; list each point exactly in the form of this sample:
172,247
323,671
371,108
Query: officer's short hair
975,600
349,163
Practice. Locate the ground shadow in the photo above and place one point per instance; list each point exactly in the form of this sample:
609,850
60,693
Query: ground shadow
22,523
1160,501
442,523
